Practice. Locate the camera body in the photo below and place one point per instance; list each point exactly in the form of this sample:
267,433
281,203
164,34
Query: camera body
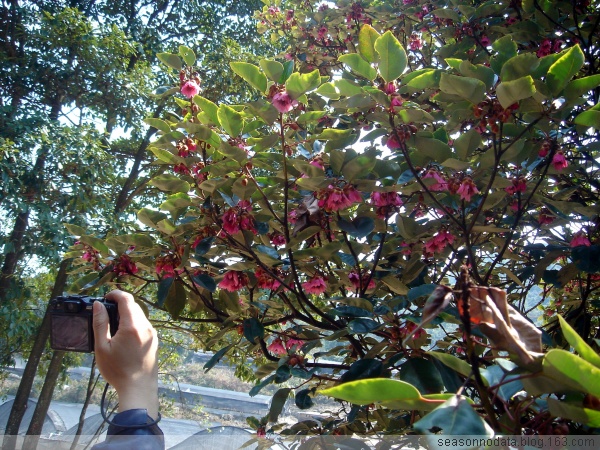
71,322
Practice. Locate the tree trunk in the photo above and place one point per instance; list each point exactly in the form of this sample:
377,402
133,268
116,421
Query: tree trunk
20,402
41,408
12,258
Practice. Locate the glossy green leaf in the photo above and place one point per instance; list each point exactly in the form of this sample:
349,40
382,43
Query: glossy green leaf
564,69
510,92
170,60
273,69
230,120
382,391
277,403
470,89
454,417
589,118
253,329
366,43
573,411
577,342
170,183
159,124
298,84
392,56
209,108
358,65
573,371
251,74
188,55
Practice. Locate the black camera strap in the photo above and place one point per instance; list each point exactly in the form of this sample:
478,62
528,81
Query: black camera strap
110,422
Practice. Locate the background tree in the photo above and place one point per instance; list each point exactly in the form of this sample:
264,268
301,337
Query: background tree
77,80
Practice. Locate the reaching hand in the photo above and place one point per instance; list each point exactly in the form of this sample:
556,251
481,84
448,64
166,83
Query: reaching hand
128,359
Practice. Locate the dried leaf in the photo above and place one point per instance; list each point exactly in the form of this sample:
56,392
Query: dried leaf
506,328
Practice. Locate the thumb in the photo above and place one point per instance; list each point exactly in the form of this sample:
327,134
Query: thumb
101,326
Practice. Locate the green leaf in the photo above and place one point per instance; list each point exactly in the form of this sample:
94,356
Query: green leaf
230,120
467,143
575,412
456,364
188,55
206,281
304,399
510,92
366,42
359,227
392,56
577,88
564,69
170,183
519,66
470,89
422,374
159,124
277,403
163,290
273,69
209,108
580,346
589,118
150,217
454,417
216,358
251,74
253,329
572,370
298,84
359,65
170,60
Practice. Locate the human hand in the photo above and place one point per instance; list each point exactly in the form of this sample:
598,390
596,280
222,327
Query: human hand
128,359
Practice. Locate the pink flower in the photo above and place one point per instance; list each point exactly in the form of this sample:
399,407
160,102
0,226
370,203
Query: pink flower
190,88
467,189
316,285
335,198
233,281
277,348
440,185
283,102
230,221
265,281
518,185
559,161
125,266
293,342
439,242
579,239
356,280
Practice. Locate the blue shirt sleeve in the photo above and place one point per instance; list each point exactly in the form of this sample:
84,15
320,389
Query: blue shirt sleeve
130,430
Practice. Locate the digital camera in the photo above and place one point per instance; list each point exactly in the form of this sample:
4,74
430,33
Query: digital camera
71,318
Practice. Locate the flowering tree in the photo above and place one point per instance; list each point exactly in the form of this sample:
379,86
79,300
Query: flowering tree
412,183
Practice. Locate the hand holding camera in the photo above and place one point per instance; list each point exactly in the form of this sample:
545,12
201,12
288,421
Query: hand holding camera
124,342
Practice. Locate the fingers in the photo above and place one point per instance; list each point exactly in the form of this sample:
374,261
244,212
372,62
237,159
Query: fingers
101,326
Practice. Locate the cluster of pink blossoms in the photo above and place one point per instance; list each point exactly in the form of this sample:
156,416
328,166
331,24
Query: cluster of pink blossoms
234,280
239,218
334,198
439,242
265,281
279,348
580,239
386,203
357,279
124,265
316,285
